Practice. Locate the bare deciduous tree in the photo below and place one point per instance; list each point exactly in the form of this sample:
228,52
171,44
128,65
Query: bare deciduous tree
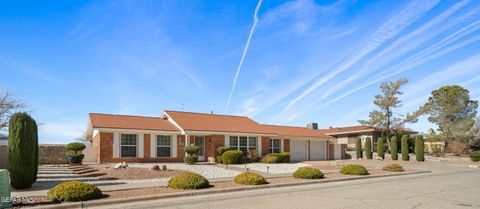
8,105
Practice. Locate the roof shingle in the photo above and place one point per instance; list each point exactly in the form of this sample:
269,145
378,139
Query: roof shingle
130,122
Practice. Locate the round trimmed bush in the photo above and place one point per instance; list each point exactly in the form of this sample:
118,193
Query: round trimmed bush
75,158
190,160
232,157
393,167
73,191
192,150
282,157
248,178
354,169
308,173
475,156
76,147
188,180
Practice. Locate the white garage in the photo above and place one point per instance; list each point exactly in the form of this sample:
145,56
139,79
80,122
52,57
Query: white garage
318,150
298,150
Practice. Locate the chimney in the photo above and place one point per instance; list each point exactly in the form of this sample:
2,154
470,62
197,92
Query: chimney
312,125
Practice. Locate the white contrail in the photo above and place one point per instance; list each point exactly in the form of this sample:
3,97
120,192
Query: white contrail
255,21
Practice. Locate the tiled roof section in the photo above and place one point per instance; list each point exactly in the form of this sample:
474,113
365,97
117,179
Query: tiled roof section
348,129
131,122
297,131
216,123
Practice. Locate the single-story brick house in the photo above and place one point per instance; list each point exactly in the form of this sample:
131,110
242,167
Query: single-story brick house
347,135
118,138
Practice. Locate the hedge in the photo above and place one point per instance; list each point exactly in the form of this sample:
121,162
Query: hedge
188,180
308,173
354,169
232,157
72,191
249,178
282,157
22,150
368,148
419,148
405,153
190,160
358,148
394,148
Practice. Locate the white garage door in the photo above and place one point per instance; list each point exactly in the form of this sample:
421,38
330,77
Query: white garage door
318,150
298,150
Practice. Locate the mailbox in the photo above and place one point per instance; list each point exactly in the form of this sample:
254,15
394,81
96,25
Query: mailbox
4,189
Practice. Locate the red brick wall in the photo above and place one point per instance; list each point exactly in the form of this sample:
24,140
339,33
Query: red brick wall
96,146
146,146
212,143
286,145
330,151
265,145
106,147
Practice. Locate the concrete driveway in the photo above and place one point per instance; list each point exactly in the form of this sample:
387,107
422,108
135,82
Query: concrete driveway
448,186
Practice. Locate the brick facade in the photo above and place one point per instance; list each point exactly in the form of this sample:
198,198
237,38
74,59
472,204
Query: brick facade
265,145
286,145
212,143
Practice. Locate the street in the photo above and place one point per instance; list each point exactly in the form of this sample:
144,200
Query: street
448,186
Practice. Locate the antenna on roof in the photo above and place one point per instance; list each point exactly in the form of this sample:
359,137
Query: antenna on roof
182,106
211,112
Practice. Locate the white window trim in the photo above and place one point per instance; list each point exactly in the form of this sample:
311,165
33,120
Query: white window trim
238,141
173,145
270,148
136,144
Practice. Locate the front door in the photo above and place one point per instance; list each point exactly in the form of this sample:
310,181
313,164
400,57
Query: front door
199,141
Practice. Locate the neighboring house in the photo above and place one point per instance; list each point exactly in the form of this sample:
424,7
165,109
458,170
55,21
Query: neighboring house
3,140
118,138
347,135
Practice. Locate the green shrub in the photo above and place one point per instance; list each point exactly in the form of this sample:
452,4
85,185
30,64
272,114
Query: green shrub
405,153
393,167
192,150
232,157
220,152
190,160
381,147
75,158
308,173
358,148
368,148
22,150
354,169
76,147
419,148
248,178
188,180
72,191
475,156
282,157
394,148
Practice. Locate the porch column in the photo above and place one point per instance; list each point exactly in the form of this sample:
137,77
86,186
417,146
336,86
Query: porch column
187,142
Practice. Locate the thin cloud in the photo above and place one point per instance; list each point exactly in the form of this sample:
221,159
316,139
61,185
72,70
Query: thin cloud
244,54
388,30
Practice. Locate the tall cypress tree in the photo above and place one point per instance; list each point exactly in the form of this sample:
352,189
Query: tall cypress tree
358,148
368,148
419,148
405,154
381,147
22,150
394,148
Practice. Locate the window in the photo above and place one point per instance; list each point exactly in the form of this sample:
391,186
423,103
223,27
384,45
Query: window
275,145
243,143
164,146
128,145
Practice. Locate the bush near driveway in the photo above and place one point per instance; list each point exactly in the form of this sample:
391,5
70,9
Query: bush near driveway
249,178
475,156
188,180
308,173
190,160
232,157
354,169
220,152
282,157
393,167
73,191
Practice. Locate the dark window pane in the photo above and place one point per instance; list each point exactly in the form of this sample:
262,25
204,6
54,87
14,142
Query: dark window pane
233,141
243,141
163,152
252,142
128,139
163,140
129,152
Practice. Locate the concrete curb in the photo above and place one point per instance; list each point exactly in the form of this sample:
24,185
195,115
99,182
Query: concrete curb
211,191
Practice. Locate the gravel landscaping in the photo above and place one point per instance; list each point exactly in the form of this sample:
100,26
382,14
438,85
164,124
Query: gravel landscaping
206,170
274,168
126,174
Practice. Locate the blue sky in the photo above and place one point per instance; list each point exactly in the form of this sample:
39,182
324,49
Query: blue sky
307,61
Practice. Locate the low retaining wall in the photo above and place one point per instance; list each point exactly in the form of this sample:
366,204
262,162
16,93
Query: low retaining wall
47,154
